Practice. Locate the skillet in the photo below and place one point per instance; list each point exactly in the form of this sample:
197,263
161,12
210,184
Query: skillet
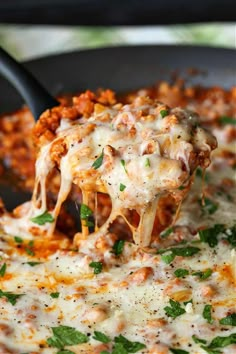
121,69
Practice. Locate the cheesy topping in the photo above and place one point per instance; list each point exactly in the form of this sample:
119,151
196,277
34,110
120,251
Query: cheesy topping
102,294
145,149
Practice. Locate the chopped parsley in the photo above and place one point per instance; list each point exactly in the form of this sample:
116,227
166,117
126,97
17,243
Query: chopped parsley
118,247
101,337
55,295
33,264
29,249
97,163
180,273
168,258
203,275
85,213
122,187
174,310
43,218
220,342
12,298
207,313
130,347
229,320
65,335
97,267
65,351
210,235
164,113
188,302
18,239
181,188
187,251
178,351
147,162
121,345
123,164
231,235
198,340
227,120
3,270
209,206
118,348
166,232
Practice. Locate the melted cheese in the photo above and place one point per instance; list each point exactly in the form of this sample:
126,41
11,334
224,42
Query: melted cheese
115,301
130,294
149,155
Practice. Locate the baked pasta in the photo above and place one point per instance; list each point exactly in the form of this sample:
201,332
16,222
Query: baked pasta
153,268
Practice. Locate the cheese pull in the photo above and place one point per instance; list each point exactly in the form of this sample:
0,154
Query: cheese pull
135,153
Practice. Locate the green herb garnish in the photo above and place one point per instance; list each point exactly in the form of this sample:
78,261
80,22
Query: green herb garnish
123,164
12,298
178,351
231,235
85,213
164,113
166,232
174,310
97,267
177,251
198,340
97,163
207,313
188,302
122,187
209,206
33,264
118,247
229,320
18,239
118,348
65,351
210,235
181,188
227,120
43,218
29,249
168,258
3,270
101,337
130,347
180,273
65,335
203,275
55,295
220,342
147,162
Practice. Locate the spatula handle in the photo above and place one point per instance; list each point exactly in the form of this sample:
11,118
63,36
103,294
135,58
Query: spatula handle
34,94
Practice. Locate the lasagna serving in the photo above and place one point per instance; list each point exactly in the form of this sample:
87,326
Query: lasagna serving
151,268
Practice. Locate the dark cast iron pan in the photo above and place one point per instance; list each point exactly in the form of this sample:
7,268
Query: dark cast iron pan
121,69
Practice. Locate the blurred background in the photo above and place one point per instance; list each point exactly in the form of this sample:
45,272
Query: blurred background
30,41
30,28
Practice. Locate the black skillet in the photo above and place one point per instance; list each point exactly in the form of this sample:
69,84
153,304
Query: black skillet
121,69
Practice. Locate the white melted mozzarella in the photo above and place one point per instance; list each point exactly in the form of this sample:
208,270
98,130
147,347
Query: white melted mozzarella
117,302
144,157
131,295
